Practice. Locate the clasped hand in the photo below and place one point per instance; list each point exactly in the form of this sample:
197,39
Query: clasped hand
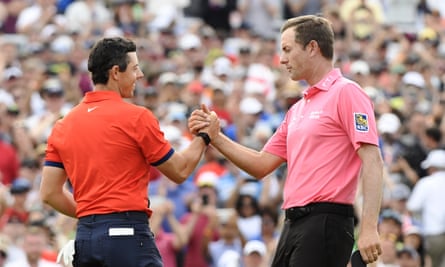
204,120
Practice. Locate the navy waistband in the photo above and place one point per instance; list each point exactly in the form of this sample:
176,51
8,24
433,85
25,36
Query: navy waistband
125,215
294,213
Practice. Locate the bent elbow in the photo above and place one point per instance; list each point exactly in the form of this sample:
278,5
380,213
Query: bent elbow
46,195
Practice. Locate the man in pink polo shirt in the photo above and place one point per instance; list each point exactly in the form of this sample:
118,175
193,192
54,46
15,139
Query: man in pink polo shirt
329,141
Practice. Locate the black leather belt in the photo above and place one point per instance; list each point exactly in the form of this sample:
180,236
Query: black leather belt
295,213
127,215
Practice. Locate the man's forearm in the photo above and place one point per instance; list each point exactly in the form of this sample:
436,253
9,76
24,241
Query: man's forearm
372,179
247,159
63,203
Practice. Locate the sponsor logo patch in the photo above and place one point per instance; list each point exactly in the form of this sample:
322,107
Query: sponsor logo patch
361,122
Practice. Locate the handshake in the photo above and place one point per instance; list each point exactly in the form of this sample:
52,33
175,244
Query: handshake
204,120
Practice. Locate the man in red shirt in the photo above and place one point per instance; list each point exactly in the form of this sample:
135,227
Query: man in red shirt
329,141
9,163
106,147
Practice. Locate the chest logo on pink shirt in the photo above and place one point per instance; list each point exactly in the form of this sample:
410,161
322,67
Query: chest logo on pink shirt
315,114
361,122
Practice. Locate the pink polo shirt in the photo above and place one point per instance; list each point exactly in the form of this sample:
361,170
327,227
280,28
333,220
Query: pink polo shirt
319,138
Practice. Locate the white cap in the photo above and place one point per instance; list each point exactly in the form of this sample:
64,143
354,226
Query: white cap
250,105
388,123
189,41
207,178
222,66
63,44
255,246
164,18
360,67
414,78
400,192
230,258
436,158
171,133
167,77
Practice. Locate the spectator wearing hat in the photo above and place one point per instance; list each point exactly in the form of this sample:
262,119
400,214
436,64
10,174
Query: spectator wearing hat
167,87
398,196
389,128
408,257
206,227
255,254
426,201
413,238
390,226
190,45
250,110
17,212
40,125
229,239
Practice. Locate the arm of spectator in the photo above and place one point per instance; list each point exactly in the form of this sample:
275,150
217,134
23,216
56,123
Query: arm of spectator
183,232
25,146
409,172
231,201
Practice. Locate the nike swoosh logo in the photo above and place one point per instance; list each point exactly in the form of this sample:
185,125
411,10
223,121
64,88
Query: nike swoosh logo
91,109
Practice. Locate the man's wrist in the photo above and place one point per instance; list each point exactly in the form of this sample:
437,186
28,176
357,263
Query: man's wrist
204,137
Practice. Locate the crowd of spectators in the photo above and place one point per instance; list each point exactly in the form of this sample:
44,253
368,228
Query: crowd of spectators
224,53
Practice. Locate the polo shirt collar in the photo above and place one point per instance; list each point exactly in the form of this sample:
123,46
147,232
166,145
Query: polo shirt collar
325,83
95,96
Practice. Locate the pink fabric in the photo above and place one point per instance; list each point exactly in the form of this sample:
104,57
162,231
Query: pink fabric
164,242
323,132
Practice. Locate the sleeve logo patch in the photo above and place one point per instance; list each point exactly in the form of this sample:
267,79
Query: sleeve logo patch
361,122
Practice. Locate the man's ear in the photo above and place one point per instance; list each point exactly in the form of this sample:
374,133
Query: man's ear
313,46
114,72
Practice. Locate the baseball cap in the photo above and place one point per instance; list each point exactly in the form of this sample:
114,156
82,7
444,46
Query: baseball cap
189,41
195,87
250,105
436,158
413,78
360,67
222,66
167,77
20,185
255,246
389,214
400,192
207,178
412,253
53,86
388,123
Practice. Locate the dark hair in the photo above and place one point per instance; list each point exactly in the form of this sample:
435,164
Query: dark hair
312,27
270,212
239,204
434,133
107,53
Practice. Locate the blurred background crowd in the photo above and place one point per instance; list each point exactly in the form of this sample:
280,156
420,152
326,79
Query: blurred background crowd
224,53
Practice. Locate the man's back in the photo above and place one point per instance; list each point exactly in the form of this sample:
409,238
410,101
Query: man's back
105,145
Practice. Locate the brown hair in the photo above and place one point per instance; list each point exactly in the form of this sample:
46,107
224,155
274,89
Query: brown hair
311,27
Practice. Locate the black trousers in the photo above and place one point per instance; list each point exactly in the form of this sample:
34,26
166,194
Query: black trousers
316,238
